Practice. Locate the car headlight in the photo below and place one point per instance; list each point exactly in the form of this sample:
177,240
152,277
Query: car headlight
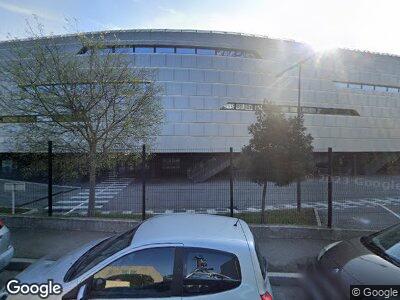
326,248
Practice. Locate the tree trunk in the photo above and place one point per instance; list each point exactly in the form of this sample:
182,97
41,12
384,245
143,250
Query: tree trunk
92,181
264,194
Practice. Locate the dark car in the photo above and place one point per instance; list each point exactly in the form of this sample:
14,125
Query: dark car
369,260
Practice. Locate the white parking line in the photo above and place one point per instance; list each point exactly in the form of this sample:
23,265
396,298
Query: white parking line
97,197
105,192
389,210
284,275
77,207
80,201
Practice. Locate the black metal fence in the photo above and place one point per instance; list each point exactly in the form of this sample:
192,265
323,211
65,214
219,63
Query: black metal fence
140,183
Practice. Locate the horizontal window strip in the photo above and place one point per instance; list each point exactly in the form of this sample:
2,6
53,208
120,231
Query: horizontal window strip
182,50
367,87
293,109
33,119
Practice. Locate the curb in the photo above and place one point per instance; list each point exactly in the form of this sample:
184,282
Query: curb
260,232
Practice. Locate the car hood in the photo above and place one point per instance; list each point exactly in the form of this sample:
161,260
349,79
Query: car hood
45,268
365,267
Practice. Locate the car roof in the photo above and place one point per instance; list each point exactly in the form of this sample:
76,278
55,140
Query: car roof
189,228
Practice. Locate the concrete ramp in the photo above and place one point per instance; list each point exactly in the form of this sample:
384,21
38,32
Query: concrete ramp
381,161
209,168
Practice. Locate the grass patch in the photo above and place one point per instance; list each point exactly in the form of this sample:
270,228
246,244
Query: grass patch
284,216
279,216
306,216
18,210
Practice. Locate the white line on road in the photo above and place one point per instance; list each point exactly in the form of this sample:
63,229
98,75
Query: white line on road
97,193
389,210
80,201
284,275
97,197
73,208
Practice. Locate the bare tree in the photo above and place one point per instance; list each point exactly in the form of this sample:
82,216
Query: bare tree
92,102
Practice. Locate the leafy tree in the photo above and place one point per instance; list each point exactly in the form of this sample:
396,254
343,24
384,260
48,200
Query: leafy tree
95,103
279,151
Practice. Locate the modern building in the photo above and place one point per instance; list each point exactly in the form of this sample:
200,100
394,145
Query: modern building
213,82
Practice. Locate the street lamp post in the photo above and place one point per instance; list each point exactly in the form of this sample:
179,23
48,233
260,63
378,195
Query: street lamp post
299,65
298,182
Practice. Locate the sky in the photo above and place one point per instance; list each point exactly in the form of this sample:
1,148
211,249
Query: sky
324,24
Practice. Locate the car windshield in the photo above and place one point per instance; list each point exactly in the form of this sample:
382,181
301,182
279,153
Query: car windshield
100,252
386,244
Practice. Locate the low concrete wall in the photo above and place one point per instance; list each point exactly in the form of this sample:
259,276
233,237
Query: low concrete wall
261,232
59,223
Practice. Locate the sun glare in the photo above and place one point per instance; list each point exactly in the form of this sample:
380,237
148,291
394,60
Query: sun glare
322,47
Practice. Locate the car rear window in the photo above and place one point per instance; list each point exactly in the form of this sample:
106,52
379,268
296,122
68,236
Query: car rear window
207,271
100,252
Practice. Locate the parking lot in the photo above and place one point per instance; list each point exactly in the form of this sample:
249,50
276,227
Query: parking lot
358,202
285,256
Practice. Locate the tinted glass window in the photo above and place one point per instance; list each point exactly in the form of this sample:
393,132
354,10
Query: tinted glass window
202,51
309,110
165,50
355,86
380,88
186,50
341,85
100,252
229,106
142,274
18,119
144,49
368,87
236,53
124,50
105,51
171,163
207,271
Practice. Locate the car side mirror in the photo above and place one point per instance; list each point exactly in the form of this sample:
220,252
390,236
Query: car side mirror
82,293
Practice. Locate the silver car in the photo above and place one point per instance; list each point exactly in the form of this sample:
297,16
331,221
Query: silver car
6,249
172,256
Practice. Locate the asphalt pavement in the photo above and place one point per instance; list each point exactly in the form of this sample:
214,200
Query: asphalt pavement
362,202
285,256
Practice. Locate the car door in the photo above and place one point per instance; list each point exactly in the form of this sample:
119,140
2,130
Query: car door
211,274
148,273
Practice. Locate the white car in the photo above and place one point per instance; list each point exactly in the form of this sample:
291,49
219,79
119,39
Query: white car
6,249
181,256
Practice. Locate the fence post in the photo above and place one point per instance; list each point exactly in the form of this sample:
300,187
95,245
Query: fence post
298,194
50,178
231,180
330,187
143,182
